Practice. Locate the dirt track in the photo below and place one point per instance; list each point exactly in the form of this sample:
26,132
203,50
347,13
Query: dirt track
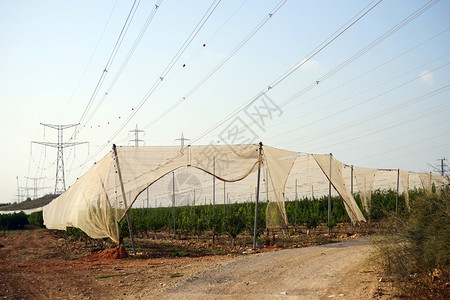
36,265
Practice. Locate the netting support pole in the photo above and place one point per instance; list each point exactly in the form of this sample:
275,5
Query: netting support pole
329,198
255,229
295,207
173,206
225,199
351,180
214,199
124,199
396,195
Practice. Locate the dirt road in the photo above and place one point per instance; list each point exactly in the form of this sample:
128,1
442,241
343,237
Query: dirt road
322,272
36,265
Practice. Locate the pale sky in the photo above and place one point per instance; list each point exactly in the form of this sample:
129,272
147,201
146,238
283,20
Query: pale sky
375,95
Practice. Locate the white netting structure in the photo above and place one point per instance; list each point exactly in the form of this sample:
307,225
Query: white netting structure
163,176
333,170
100,198
365,178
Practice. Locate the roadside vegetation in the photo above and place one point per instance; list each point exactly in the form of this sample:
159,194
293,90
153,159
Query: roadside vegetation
416,254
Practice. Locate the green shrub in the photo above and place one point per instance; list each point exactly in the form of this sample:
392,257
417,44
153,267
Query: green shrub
36,219
13,221
420,247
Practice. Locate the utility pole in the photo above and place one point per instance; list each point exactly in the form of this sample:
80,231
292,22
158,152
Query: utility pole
35,187
60,184
20,192
18,189
136,136
182,139
442,165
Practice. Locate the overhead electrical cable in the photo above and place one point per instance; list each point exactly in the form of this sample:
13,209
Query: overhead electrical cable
378,114
363,51
430,112
127,58
403,147
121,68
375,68
158,81
405,154
90,59
208,40
404,22
107,66
168,68
220,64
390,80
296,66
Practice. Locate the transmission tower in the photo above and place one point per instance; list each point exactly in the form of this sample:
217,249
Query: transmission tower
136,139
182,139
443,166
60,184
35,187
19,195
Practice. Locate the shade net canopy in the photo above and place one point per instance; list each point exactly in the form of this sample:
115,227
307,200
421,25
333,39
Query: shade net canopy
163,176
100,198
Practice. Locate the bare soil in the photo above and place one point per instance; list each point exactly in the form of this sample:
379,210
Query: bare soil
37,264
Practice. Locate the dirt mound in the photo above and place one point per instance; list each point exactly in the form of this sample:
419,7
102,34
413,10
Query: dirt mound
114,253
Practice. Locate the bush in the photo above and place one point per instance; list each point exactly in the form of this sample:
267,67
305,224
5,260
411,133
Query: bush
36,219
420,247
13,221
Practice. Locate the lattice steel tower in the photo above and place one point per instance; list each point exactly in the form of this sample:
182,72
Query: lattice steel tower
60,184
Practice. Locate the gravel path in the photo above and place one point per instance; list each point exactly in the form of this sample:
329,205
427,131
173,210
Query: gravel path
322,272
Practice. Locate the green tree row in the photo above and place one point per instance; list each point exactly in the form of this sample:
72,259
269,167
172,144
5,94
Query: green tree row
237,218
230,219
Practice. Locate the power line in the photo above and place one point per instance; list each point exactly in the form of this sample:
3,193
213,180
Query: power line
365,134
90,59
335,70
158,81
295,67
220,64
127,58
183,48
346,125
405,146
108,63
366,73
370,117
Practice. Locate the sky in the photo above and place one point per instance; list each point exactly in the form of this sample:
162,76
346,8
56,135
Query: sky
365,80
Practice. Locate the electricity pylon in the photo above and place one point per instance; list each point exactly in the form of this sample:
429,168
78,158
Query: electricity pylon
136,139
182,139
35,187
60,184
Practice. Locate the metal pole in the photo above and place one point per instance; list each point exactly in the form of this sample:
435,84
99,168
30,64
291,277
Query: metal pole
255,235
224,199
148,209
214,185
396,196
130,229
351,180
214,198
329,197
267,185
173,206
295,207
